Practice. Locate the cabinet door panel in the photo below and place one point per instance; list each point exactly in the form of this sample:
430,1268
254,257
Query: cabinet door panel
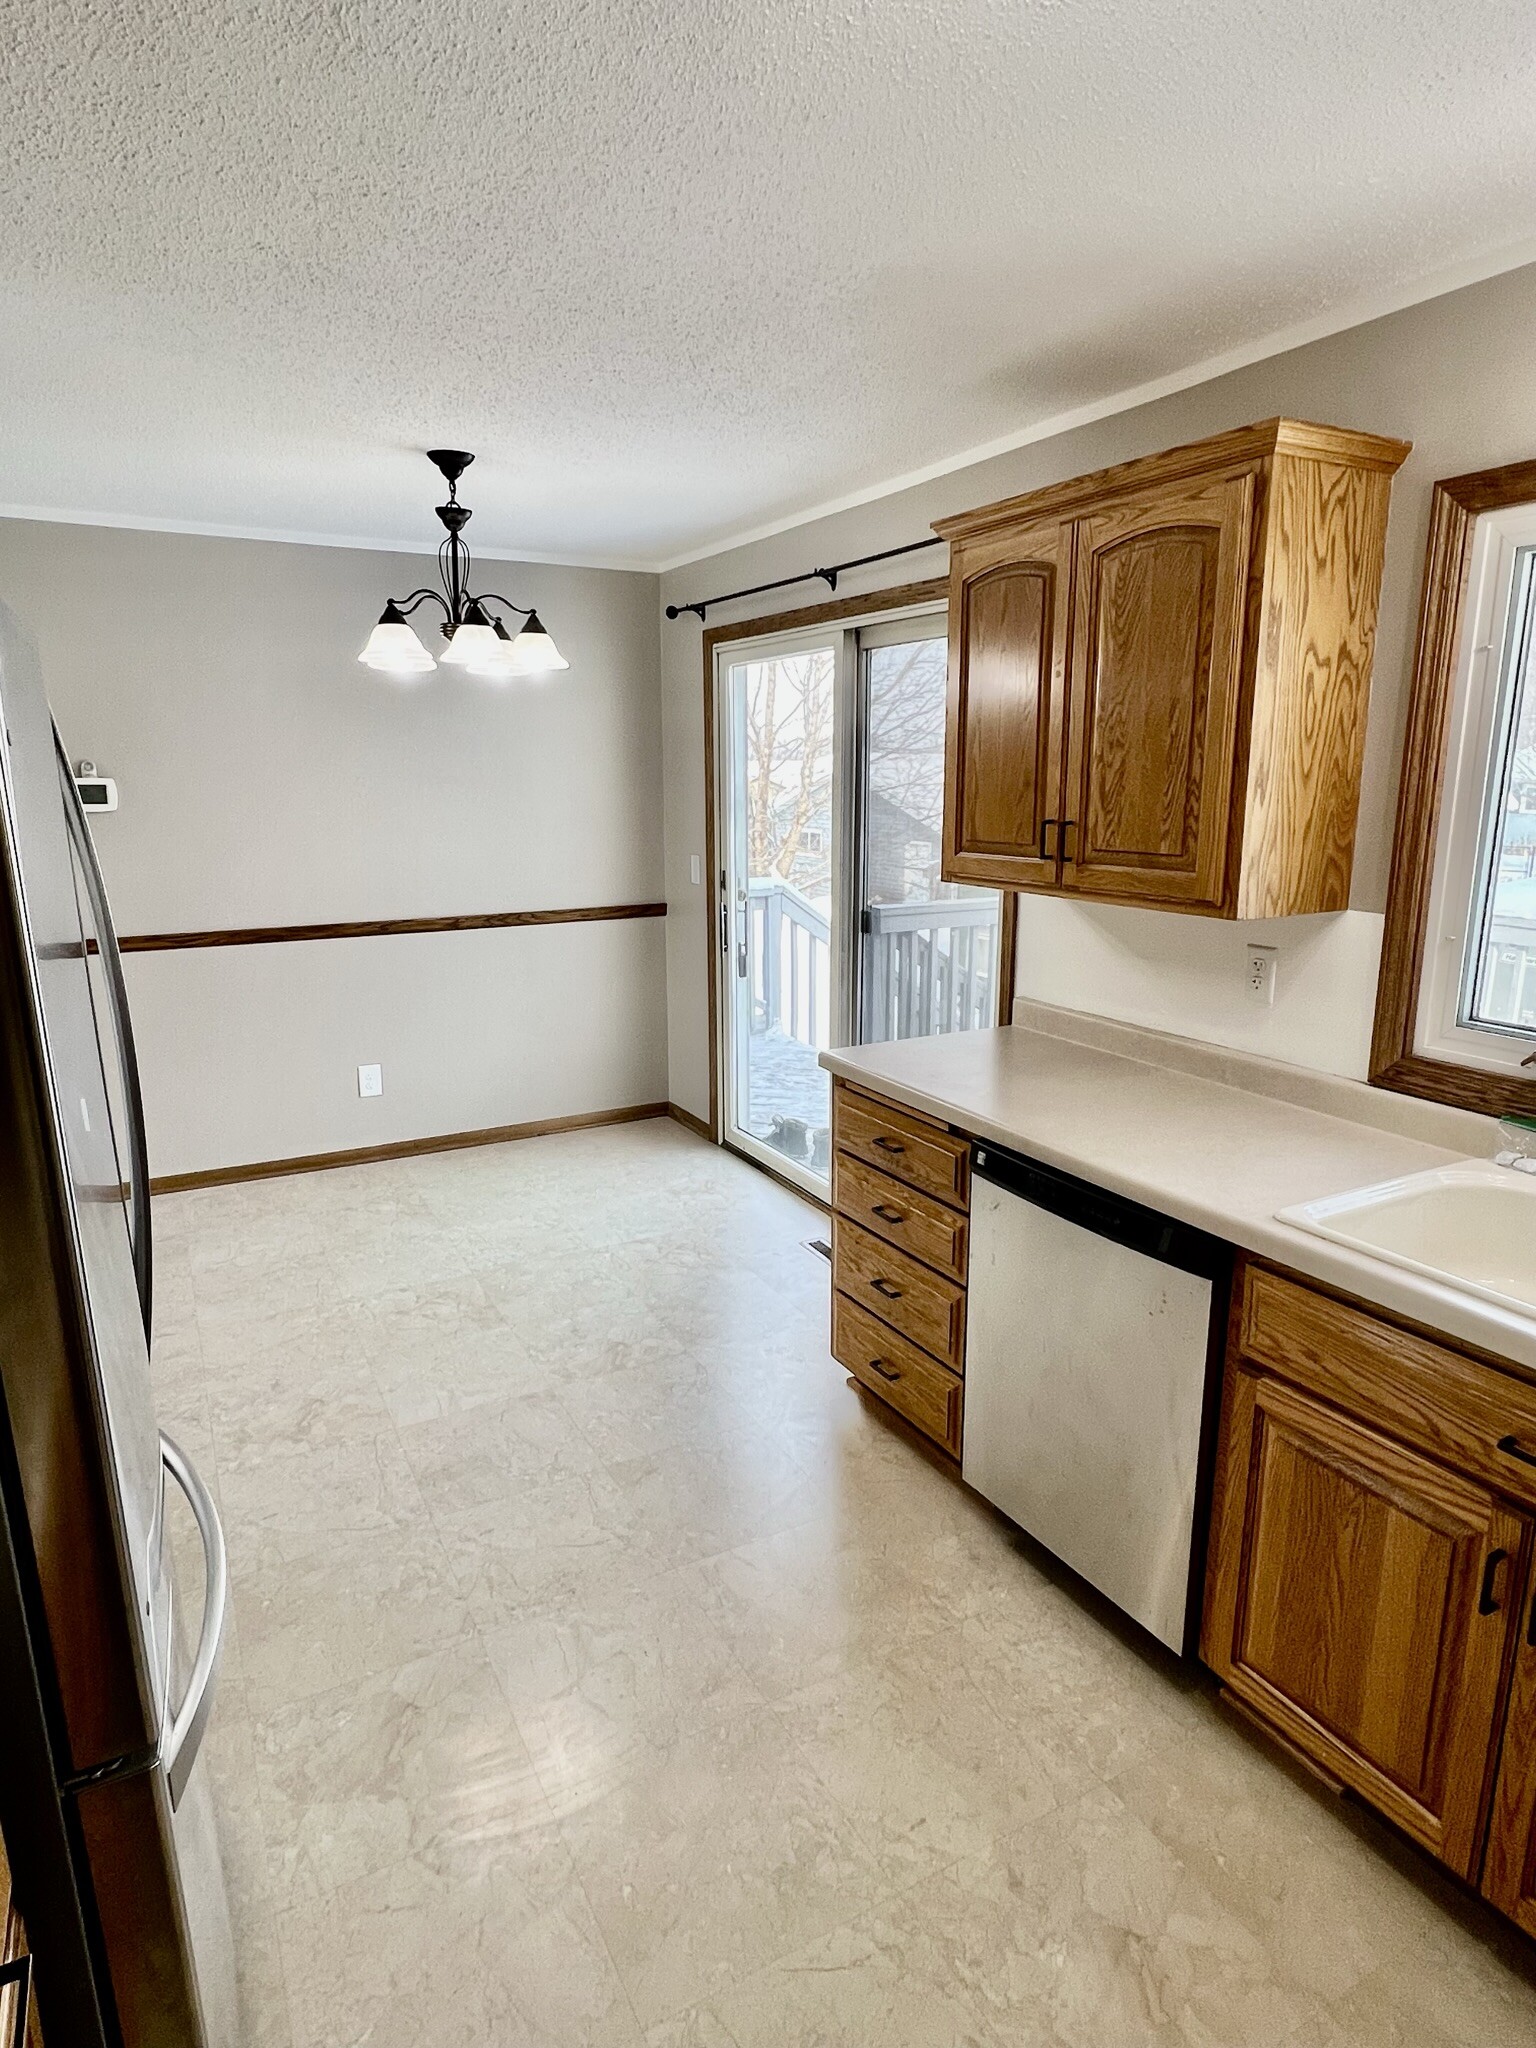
1156,676
1004,728
1509,1875
1362,1599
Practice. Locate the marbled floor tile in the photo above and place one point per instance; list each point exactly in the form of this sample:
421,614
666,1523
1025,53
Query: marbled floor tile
797,1608
328,1607
303,1378
438,1348
657,1666
922,1768
901,1976
1090,1926
694,1501
424,1762
345,1485
548,1543
479,1454
604,1689
411,1955
724,1854
300,1279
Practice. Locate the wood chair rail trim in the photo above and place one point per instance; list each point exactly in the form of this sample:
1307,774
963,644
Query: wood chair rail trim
382,928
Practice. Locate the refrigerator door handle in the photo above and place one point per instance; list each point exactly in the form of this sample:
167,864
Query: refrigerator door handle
186,1733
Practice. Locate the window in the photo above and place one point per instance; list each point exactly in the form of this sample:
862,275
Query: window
1478,1001
1456,1015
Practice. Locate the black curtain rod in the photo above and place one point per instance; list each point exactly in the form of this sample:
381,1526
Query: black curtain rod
827,576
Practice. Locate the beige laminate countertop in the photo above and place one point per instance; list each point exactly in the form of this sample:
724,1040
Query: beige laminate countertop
1209,1153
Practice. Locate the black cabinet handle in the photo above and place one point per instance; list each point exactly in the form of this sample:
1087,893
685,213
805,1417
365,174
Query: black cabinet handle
1487,1600
884,1287
1045,826
886,1372
1530,1633
1067,825
890,1215
890,1145
1512,1448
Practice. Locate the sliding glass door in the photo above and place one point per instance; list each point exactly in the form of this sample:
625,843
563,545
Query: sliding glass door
928,951
833,925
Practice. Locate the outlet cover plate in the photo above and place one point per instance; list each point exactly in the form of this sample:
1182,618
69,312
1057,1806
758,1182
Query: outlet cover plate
370,1080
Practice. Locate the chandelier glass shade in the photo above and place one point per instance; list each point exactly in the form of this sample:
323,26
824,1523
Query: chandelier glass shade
477,639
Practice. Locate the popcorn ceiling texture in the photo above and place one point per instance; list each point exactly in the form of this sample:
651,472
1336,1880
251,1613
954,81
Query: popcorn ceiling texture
675,270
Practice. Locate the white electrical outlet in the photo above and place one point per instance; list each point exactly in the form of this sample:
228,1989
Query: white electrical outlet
1259,976
370,1080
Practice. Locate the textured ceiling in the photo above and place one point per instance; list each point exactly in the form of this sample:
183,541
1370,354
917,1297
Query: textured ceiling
676,271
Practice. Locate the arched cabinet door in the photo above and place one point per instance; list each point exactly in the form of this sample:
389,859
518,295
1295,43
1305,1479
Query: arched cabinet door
1004,730
1157,651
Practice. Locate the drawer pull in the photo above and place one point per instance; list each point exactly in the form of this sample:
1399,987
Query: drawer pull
890,1215
1488,1601
1511,1447
886,1372
890,1144
884,1287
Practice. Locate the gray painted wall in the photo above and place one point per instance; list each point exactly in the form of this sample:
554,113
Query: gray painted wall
266,778
1454,376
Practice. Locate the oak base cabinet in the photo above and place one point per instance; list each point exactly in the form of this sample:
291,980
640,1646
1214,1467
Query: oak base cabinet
1159,675
1369,1601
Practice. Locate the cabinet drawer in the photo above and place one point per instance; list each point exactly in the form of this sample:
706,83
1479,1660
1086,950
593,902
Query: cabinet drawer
928,1396
1469,1415
903,1216
920,1304
920,1154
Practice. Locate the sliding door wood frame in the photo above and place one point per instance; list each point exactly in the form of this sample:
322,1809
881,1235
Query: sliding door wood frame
1395,1062
837,611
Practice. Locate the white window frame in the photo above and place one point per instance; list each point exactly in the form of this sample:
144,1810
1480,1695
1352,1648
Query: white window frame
1476,739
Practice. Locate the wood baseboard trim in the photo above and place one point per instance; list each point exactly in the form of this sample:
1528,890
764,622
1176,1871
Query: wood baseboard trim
404,1148
384,928
690,1122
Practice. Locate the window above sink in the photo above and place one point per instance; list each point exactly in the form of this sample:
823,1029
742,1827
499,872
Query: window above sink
1456,1011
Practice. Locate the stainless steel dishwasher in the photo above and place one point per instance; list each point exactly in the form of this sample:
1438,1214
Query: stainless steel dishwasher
1093,1331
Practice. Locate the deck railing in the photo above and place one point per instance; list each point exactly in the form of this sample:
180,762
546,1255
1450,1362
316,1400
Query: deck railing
789,955
928,967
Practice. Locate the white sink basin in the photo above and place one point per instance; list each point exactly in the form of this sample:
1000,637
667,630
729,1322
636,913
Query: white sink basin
1472,1226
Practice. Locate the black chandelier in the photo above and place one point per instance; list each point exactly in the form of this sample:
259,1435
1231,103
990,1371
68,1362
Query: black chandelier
477,640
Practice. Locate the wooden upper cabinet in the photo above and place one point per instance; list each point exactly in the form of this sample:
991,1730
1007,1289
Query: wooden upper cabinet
1003,734
1159,675
1362,1598
1156,673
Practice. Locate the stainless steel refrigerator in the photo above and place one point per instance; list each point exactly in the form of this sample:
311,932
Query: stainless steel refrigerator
107,1686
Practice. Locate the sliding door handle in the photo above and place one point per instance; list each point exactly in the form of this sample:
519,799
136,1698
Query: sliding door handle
186,1731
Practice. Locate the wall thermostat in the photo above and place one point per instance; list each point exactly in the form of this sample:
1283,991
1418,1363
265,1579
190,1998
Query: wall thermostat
97,792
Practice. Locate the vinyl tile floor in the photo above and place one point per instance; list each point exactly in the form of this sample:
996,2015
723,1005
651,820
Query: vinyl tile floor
603,1671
